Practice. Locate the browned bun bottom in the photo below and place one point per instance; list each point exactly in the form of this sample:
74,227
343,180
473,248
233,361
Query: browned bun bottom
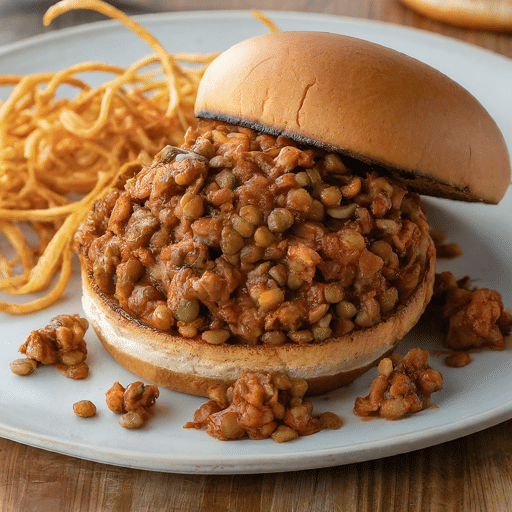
193,366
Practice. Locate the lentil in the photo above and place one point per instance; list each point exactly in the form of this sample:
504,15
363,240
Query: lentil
78,371
23,367
131,420
216,337
84,408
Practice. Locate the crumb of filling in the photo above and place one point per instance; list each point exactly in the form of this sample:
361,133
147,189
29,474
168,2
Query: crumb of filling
403,386
60,344
470,316
260,405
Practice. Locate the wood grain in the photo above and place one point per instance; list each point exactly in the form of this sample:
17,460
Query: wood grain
473,473
469,474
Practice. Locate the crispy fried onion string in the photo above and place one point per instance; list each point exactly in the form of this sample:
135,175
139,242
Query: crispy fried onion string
60,151
64,142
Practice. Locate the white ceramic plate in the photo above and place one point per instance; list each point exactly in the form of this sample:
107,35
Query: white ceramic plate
37,410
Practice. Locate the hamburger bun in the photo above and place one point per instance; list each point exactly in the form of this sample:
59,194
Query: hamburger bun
477,14
365,101
384,111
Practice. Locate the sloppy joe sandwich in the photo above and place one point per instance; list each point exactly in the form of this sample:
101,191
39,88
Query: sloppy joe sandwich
286,233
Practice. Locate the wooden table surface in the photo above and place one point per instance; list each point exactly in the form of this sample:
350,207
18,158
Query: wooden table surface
470,474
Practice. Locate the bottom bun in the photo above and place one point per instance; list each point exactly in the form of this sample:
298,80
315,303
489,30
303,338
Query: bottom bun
192,366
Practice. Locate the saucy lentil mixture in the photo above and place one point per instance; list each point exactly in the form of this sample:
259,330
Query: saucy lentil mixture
60,344
134,403
403,386
470,316
243,237
260,405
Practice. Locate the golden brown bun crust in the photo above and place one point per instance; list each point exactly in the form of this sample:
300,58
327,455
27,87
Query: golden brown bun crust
192,366
480,14
365,101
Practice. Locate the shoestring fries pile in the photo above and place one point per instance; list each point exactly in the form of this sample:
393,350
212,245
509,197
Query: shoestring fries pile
59,155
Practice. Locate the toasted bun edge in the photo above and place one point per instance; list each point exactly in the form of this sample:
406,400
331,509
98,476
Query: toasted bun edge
192,366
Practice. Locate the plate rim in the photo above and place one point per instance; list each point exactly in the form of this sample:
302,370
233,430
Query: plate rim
476,423
102,25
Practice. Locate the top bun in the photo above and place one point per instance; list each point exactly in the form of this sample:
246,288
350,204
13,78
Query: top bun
365,101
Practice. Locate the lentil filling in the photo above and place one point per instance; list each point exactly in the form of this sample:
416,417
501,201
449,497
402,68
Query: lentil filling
246,238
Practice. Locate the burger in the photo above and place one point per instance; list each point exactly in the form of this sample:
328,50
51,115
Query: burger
286,233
